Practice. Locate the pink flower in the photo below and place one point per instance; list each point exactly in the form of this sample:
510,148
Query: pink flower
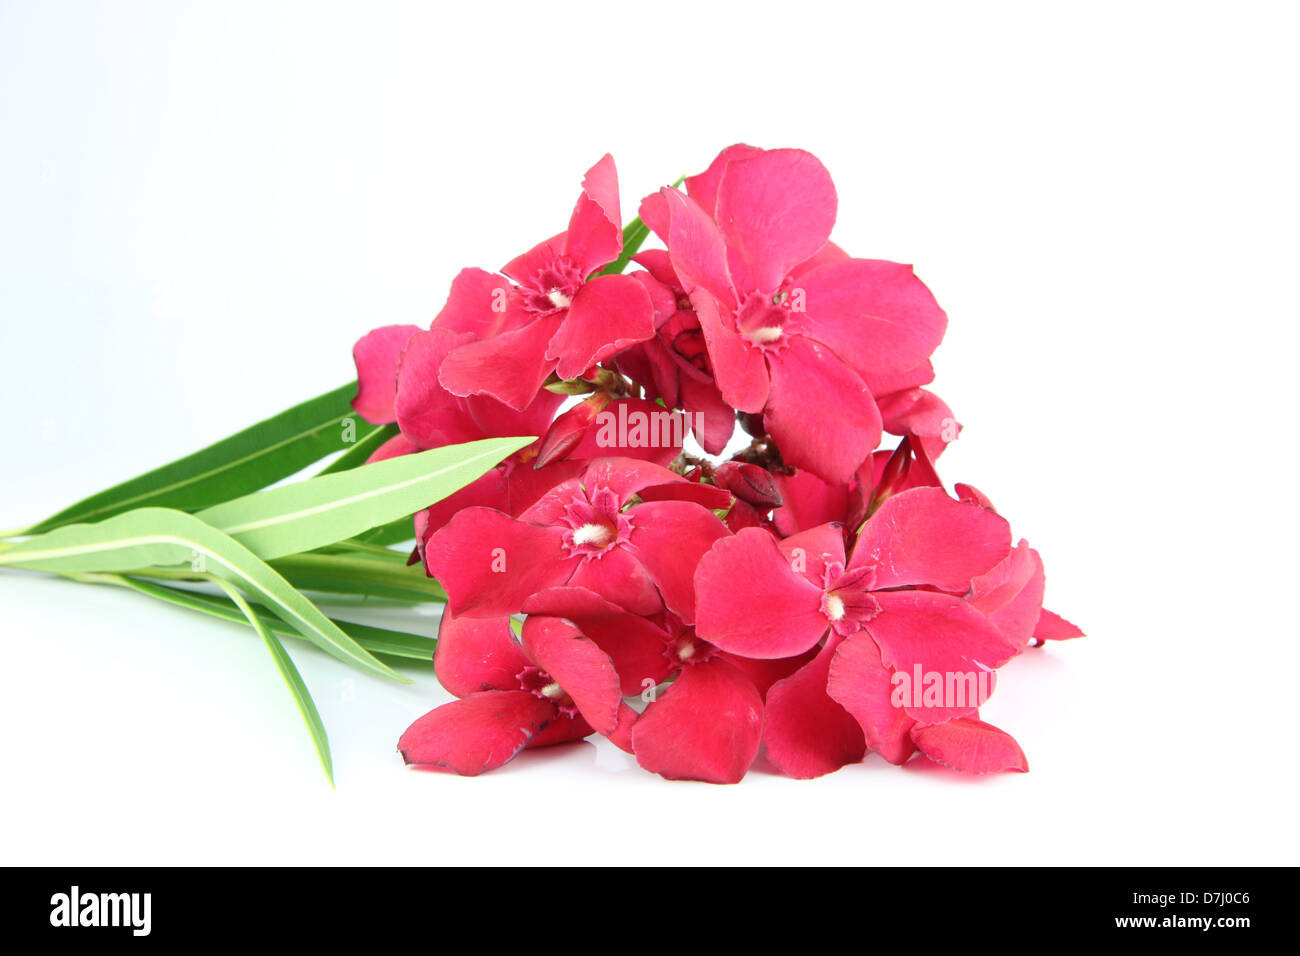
552,687
796,329
897,603
582,533
554,316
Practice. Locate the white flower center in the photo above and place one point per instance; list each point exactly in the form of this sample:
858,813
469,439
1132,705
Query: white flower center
558,299
553,690
764,334
597,534
834,607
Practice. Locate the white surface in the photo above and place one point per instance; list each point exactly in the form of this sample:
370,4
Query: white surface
201,207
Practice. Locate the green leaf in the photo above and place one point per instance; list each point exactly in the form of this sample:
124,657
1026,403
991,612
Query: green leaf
361,450
362,577
377,640
310,514
292,679
254,458
160,537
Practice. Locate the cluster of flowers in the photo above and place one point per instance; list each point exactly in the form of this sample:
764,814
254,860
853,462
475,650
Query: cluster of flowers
813,597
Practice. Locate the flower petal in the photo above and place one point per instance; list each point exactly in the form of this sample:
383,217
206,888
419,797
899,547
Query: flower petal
972,746
875,315
634,644
922,536
820,412
376,354
584,671
805,732
750,602
490,563
477,304
669,538
1053,627
595,234
809,552
429,415
923,633
477,653
1011,594
618,576
510,367
706,726
703,188
807,501
608,314
476,733
862,685
739,369
775,209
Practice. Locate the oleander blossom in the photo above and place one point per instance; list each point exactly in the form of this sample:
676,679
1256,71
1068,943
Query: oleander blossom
784,590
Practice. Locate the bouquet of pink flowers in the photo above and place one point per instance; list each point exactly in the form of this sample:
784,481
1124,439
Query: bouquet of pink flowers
649,485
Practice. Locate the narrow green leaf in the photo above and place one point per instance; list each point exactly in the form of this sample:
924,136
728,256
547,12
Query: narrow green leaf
292,679
254,458
377,640
360,577
361,450
160,537
310,514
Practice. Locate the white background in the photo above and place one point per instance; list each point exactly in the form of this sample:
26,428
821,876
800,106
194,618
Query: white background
203,206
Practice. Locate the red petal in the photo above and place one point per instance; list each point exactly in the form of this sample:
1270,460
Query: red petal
376,354
696,248
703,188
584,671
1053,627
877,316
395,447
922,536
541,256
809,552
706,726
807,501
763,674
971,745
476,733
925,633
775,209
738,367
564,729
608,314
715,420
490,563
476,304
806,733
1011,594
429,415
510,367
669,538
750,602
634,644
618,576
861,684
820,412
477,653
595,234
